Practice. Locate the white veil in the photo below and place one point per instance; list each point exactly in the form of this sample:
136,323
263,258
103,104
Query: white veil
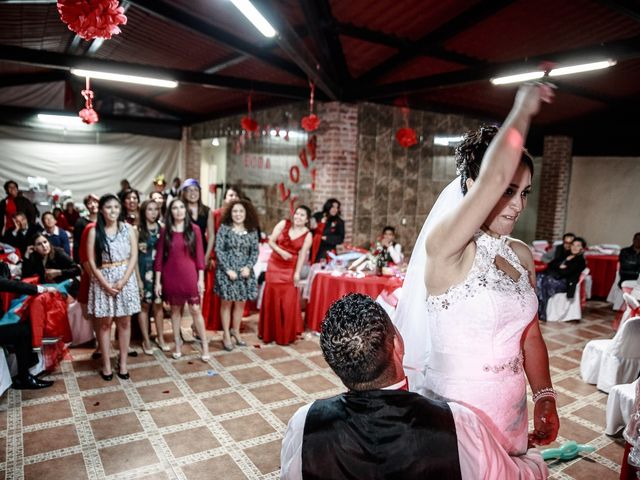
410,316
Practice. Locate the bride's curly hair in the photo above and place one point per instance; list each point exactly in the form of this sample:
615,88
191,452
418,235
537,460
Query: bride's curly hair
470,152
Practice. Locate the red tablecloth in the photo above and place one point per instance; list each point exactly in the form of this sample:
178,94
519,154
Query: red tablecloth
603,271
326,289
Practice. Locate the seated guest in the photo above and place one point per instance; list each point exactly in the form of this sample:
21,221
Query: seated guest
61,221
21,234
561,251
378,429
388,242
50,264
18,335
57,236
562,275
70,214
630,261
13,203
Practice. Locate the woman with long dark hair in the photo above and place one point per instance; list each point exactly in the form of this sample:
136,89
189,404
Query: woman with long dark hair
280,313
148,235
179,267
328,231
236,254
51,264
211,301
131,207
112,248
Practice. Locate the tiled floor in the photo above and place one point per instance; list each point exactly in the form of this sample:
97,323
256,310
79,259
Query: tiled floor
184,419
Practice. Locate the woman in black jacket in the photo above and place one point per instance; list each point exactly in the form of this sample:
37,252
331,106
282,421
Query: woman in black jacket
50,264
328,231
562,275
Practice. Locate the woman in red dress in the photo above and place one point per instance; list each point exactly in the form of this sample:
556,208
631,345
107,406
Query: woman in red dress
280,313
211,302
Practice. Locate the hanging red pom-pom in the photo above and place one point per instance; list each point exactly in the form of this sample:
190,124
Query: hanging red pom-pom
88,116
310,123
249,124
406,137
92,18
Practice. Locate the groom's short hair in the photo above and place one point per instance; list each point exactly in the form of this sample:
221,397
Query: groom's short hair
357,342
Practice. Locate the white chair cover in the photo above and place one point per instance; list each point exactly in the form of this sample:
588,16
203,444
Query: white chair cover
612,362
562,309
540,245
615,294
81,328
39,367
389,301
620,406
5,374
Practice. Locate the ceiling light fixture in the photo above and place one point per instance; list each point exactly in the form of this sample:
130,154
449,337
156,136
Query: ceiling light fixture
447,141
117,77
255,17
556,72
62,121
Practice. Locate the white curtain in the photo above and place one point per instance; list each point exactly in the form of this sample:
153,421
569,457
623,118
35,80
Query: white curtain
87,163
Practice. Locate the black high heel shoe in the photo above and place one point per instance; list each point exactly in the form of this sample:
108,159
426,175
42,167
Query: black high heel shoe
123,376
105,377
240,343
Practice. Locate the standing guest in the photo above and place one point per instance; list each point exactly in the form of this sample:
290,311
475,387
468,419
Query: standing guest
21,234
112,249
124,187
280,313
393,248
91,203
561,275
71,214
378,429
158,197
174,191
191,195
12,204
561,251
329,230
61,221
18,335
630,261
131,211
179,266
159,184
51,264
236,254
149,233
211,301
57,236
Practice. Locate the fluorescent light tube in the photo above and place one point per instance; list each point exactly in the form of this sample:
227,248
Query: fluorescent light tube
117,77
585,67
62,121
446,141
520,77
255,17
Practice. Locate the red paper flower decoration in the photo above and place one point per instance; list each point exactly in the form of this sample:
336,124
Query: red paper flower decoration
88,116
406,137
92,18
310,123
249,124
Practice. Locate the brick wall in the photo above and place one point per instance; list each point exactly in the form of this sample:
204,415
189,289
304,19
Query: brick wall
554,188
193,155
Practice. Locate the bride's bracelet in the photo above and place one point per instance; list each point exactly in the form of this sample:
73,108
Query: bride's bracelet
544,393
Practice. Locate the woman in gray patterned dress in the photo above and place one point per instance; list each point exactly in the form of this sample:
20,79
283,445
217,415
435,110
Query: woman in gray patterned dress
236,253
112,249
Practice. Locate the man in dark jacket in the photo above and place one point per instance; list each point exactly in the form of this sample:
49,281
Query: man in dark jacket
18,335
630,261
378,429
21,234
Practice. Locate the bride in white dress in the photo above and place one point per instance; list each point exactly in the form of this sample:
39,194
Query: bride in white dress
477,335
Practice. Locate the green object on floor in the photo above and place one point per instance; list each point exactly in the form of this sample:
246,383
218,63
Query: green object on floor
566,451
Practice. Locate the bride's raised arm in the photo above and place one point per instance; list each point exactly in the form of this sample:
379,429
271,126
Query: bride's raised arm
447,241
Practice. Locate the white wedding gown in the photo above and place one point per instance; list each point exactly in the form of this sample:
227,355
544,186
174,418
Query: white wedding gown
476,329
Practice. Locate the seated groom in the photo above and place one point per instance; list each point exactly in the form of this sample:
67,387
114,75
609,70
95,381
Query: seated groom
378,429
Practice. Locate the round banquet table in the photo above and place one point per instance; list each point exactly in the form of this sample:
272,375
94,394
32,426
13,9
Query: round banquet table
328,288
603,270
